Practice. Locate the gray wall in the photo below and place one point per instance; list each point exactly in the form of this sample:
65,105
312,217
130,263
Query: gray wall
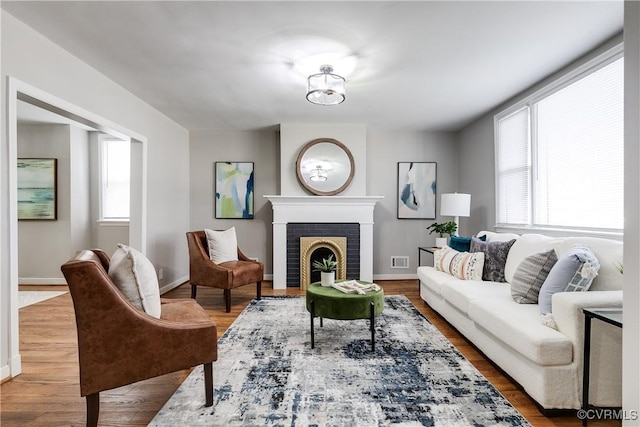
384,149
260,147
44,245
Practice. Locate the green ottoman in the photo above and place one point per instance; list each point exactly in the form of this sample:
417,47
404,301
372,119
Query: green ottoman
327,302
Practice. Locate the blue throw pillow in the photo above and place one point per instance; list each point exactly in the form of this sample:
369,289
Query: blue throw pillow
460,244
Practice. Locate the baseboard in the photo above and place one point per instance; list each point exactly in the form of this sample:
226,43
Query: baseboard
268,277
41,281
166,288
5,373
395,276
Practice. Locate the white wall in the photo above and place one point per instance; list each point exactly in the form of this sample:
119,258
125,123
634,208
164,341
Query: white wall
293,136
631,330
33,59
260,147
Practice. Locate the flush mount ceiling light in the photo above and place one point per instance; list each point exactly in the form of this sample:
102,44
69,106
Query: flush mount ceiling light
318,174
325,88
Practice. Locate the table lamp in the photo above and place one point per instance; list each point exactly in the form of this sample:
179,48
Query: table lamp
455,205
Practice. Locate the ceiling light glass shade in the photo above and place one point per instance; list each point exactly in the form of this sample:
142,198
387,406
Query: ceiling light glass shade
318,174
325,88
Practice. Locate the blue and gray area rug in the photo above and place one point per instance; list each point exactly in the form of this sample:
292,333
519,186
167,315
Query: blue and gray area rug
267,375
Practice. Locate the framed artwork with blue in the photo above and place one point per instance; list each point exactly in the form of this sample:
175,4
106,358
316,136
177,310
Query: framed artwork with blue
234,190
37,189
417,190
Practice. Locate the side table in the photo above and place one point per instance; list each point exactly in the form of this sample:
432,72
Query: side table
612,316
430,250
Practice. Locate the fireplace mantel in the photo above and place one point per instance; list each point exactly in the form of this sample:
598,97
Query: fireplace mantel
321,209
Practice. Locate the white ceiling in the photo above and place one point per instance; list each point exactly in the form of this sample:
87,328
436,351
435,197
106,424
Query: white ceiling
422,65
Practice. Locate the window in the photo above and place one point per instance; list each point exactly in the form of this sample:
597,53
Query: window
114,179
560,153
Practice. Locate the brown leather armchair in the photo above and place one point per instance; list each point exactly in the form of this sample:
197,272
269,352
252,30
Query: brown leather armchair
227,275
119,344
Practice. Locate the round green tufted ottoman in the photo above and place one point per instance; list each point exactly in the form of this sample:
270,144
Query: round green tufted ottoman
327,302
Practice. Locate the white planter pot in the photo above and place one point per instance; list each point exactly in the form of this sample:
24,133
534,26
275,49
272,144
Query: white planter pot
327,279
441,241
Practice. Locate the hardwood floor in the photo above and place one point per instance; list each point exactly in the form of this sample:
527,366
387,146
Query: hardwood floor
47,392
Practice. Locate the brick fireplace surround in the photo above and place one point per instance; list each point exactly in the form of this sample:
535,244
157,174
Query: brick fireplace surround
321,209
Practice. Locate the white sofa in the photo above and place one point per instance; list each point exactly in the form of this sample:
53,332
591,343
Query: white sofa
546,362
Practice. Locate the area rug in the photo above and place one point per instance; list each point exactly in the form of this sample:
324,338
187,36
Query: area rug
27,298
268,375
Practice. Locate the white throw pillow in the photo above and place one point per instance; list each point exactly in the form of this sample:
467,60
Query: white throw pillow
135,276
463,265
223,245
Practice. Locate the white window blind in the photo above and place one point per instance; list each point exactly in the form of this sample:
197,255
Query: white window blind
115,179
560,156
514,168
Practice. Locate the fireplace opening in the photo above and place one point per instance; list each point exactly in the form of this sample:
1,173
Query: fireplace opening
317,248
318,255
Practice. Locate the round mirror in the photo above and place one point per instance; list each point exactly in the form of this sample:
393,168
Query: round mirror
325,167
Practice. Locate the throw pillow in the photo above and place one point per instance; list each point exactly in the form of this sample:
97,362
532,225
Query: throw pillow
530,275
463,265
574,271
135,276
223,245
460,244
495,257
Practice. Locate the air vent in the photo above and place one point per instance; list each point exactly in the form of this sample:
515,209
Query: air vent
399,262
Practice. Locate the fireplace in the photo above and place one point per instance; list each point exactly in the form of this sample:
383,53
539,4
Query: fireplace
330,211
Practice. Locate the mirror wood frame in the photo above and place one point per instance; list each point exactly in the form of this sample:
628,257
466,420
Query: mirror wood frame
307,185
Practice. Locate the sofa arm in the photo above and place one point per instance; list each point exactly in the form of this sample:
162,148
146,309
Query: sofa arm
606,342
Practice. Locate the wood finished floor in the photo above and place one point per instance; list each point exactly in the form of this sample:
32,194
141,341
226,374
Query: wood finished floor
47,392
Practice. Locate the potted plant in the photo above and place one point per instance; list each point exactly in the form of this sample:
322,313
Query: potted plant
449,227
327,269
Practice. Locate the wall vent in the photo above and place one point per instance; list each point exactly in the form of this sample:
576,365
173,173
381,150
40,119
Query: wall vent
399,262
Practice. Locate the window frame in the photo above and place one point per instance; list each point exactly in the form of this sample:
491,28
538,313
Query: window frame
529,102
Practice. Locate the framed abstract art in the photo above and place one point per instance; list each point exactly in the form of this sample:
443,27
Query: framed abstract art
416,190
234,190
37,189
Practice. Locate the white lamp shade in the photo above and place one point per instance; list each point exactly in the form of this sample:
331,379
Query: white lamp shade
455,204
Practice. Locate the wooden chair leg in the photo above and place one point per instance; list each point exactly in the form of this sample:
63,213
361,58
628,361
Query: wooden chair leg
93,409
194,290
227,299
259,290
208,383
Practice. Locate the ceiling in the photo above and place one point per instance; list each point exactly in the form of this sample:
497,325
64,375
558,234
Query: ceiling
421,65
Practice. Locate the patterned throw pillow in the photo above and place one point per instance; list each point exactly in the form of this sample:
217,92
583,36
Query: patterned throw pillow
495,258
463,265
530,275
574,272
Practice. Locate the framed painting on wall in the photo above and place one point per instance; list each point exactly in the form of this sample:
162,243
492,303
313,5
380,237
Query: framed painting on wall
37,189
234,190
416,190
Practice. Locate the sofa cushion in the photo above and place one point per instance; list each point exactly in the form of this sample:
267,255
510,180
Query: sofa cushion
223,245
526,245
518,327
135,276
530,276
492,236
433,279
574,271
460,293
495,258
463,265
